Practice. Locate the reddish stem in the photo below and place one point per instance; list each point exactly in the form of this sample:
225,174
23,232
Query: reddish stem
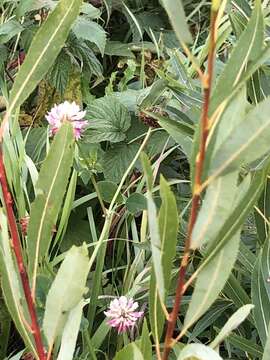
207,85
16,245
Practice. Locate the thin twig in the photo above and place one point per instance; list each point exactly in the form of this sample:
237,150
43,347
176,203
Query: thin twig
16,245
207,85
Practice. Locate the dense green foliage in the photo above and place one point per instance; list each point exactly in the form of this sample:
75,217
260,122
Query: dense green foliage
107,215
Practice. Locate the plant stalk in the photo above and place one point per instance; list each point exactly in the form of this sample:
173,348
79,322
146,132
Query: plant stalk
16,246
207,87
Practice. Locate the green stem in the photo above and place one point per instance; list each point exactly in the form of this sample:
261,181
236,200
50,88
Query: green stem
100,250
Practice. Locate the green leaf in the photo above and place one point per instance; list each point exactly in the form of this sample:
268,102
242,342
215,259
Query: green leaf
162,266
177,17
11,286
248,48
9,29
211,281
245,345
66,292
44,49
179,131
198,352
107,190
216,208
136,202
246,143
50,188
130,352
91,11
266,354
154,94
260,297
117,159
91,31
234,321
116,48
145,343
70,332
108,120
264,206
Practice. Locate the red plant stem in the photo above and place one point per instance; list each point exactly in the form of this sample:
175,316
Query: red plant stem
16,245
207,85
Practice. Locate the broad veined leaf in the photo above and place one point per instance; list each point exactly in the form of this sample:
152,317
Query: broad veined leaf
136,202
234,321
216,208
130,352
248,48
70,332
117,159
10,285
168,229
91,31
211,281
198,352
177,17
9,29
108,120
246,143
66,292
50,189
43,51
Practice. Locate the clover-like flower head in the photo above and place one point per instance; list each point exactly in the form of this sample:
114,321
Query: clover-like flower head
67,112
122,314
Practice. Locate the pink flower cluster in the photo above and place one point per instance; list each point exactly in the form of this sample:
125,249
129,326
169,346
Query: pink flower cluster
67,112
122,314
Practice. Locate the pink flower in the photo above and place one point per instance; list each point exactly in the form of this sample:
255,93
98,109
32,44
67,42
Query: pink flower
67,112
122,314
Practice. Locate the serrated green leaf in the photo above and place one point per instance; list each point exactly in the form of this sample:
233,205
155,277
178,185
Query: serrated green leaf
136,202
89,30
108,120
50,188
107,190
117,159
66,292
44,49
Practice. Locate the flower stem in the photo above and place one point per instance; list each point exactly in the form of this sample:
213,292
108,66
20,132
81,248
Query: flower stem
16,245
207,86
